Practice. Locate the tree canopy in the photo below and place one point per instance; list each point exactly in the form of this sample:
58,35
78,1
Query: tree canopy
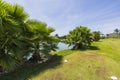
20,36
96,35
79,38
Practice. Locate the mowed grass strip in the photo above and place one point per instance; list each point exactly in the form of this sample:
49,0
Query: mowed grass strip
82,66
109,47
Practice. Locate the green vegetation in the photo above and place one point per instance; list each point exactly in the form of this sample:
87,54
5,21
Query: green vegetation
115,34
109,46
21,36
117,31
96,64
96,35
80,37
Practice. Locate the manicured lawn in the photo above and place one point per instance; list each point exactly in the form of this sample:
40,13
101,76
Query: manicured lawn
109,47
99,62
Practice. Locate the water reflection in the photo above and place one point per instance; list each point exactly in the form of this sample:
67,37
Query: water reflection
63,46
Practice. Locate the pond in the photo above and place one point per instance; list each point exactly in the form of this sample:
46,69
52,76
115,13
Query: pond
62,46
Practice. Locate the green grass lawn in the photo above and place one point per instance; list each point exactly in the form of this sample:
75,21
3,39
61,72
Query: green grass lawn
99,62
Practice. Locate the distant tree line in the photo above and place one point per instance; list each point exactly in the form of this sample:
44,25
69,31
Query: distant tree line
115,34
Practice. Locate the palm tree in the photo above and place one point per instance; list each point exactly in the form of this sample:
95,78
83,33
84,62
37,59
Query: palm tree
80,37
40,38
20,36
12,18
96,35
117,32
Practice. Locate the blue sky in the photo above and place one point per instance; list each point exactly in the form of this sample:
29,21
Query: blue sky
65,15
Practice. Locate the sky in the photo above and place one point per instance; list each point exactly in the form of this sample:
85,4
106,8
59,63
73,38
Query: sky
65,15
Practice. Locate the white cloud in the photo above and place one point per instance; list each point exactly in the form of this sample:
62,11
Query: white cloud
64,15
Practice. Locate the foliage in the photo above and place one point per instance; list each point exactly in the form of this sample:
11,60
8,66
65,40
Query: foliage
88,65
40,37
117,31
96,35
13,47
103,36
20,36
80,37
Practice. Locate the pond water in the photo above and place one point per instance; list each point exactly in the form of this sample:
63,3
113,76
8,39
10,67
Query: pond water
62,46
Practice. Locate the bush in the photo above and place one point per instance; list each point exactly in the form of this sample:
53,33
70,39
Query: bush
79,38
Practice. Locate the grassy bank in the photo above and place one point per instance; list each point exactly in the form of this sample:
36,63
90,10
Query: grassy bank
99,62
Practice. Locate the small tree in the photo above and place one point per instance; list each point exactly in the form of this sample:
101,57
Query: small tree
43,42
117,32
80,37
96,35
